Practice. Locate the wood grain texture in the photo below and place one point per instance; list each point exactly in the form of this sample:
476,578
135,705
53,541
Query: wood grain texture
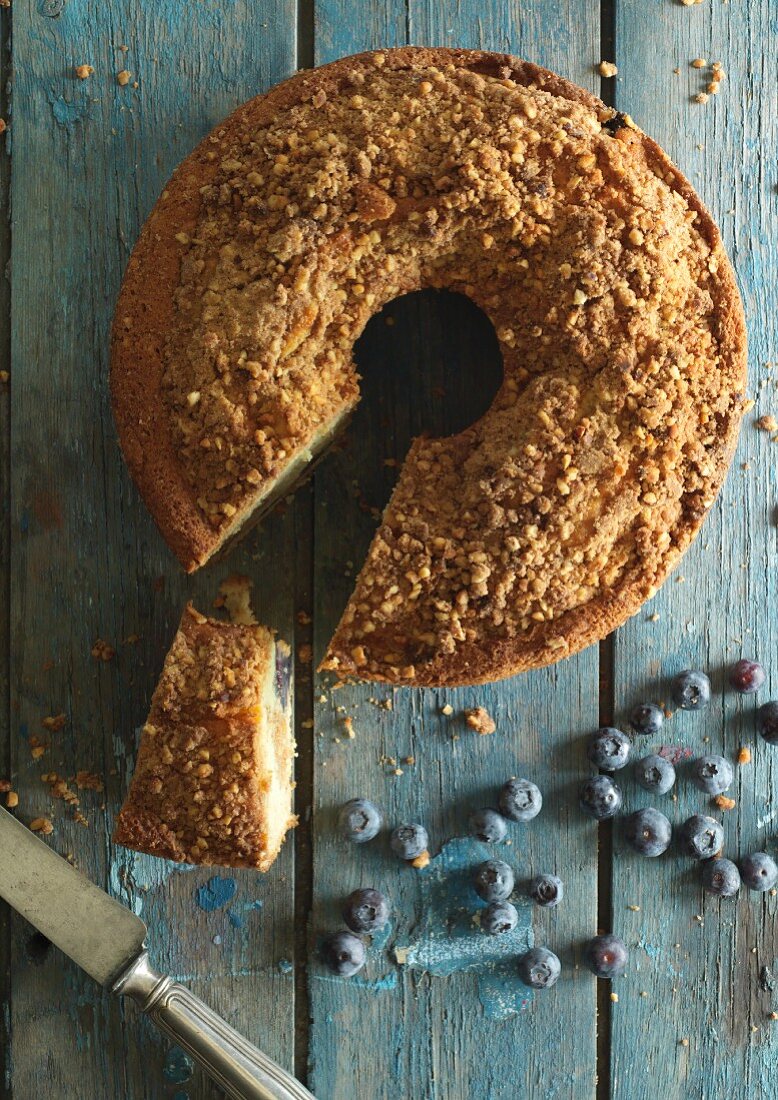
701,977
445,1025
90,157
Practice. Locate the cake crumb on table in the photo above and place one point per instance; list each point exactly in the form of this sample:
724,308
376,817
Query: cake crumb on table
607,69
724,803
767,423
421,861
41,825
83,72
103,651
447,710
744,755
54,722
699,63
123,77
12,800
479,719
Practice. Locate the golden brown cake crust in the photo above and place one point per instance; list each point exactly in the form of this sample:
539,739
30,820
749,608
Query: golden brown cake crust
460,631
199,790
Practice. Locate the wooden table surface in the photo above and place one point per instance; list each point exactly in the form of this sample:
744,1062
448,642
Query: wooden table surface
81,165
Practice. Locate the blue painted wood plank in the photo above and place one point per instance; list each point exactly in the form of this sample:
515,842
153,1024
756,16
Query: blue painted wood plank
696,967
449,1022
90,158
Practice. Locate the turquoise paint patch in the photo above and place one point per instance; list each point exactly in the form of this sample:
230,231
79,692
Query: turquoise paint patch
378,985
216,893
66,114
285,966
178,1066
235,919
449,942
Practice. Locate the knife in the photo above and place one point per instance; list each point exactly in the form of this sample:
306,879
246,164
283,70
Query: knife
109,943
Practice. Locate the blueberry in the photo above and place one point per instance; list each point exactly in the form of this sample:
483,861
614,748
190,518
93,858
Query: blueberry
759,871
360,820
546,890
488,825
712,774
701,837
655,773
520,800
648,832
647,719
493,880
606,956
690,690
721,877
609,749
366,911
343,953
600,798
767,722
747,676
539,968
499,917
409,841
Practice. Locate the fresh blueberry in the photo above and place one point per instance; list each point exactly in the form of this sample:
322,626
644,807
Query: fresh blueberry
546,890
721,877
600,798
520,800
539,968
606,956
712,774
648,832
409,841
747,676
759,871
343,953
360,820
647,719
690,690
499,917
701,837
655,774
366,911
609,749
488,825
767,722
493,880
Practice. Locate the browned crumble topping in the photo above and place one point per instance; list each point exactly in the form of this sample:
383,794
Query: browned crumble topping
479,719
204,789
603,446
102,651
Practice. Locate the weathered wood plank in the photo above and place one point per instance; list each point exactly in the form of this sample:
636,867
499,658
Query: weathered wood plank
89,159
701,979
428,1029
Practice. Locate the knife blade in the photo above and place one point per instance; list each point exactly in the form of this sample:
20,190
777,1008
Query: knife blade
109,942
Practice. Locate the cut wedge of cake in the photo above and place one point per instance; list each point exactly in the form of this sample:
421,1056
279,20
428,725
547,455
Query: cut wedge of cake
213,779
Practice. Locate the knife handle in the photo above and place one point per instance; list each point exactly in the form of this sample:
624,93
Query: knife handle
238,1067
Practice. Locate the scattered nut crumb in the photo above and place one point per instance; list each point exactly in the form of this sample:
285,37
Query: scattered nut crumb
447,710
83,72
614,997
54,723
607,69
724,803
123,77
479,719
11,799
103,651
744,755
41,825
767,423
683,1042
421,860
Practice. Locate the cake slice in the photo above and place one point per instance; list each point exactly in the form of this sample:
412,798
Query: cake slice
213,779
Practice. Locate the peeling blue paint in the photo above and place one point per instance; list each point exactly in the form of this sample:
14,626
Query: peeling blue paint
235,919
215,893
178,1066
285,966
65,113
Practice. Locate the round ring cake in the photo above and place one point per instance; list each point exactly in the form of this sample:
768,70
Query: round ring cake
549,521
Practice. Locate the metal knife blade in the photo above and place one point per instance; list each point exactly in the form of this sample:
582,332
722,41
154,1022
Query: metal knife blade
98,933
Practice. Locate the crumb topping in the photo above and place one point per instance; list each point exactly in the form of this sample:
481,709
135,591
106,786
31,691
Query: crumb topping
604,441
